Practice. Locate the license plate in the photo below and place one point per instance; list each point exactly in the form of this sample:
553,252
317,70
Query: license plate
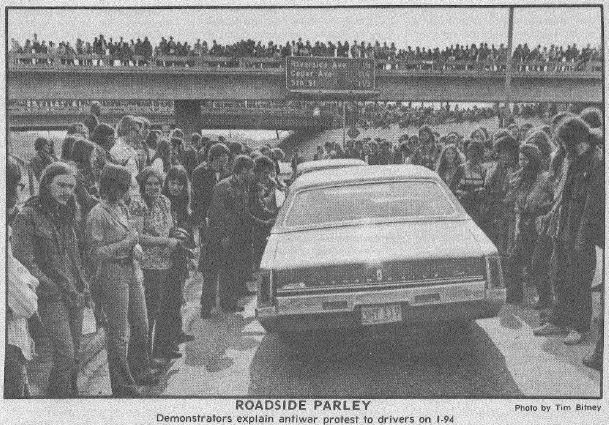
381,314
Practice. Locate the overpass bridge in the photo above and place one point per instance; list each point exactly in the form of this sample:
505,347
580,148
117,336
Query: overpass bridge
208,118
189,80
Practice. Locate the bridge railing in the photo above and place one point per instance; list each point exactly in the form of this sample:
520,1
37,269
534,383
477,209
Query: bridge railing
70,111
21,60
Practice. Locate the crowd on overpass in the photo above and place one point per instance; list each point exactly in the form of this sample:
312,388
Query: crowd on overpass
139,52
113,228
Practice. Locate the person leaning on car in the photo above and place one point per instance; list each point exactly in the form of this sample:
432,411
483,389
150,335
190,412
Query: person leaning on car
230,224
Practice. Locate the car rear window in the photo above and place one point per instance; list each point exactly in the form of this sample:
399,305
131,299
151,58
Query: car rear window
372,201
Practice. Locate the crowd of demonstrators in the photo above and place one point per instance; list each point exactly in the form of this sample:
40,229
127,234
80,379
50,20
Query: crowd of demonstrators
538,193
141,52
112,229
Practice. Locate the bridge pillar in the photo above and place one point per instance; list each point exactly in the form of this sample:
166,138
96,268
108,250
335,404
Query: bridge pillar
188,116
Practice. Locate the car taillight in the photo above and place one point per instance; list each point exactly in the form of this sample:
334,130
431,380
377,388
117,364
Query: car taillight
265,291
494,272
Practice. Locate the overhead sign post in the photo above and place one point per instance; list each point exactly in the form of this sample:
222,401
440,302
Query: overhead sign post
330,77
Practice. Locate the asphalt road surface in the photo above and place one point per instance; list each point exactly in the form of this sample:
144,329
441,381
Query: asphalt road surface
232,355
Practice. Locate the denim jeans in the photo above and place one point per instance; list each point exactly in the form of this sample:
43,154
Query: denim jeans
63,326
127,338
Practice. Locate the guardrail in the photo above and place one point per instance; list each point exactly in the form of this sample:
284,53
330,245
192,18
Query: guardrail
70,111
21,61
84,111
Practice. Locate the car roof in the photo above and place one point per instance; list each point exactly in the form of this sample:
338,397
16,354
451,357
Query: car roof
305,167
363,174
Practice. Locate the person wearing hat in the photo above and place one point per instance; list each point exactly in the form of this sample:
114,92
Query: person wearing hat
113,242
531,196
468,182
499,218
580,226
44,240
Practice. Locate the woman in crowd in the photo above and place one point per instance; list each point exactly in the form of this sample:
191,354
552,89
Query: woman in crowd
449,161
468,181
113,243
531,195
177,190
500,220
22,303
45,242
154,213
161,161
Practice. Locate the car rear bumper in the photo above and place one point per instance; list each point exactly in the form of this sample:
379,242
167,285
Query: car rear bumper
456,302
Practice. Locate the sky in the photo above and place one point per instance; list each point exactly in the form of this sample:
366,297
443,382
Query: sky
425,27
